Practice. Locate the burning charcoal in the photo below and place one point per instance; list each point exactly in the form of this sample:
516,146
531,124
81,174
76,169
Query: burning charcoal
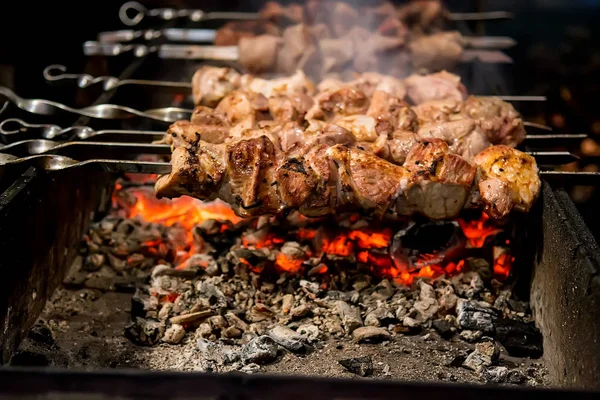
259,313
287,303
495,374
470,336
201,262
145,332
143,305
519,338
287,338
204,330
371,334
383,291
484,355
445,328
174,334
260,350
235,321
349,315
135,260
301,311
309,332
476,315
191,317
210,227
94,261
362,366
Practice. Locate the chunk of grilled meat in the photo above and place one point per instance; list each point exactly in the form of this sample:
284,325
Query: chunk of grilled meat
211,84
423,16
436,52
507,178
438,86
257,178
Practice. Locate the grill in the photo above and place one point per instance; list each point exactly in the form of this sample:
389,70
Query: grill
556,268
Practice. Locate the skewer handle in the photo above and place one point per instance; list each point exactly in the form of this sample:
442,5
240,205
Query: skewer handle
167,14
172,34
56,73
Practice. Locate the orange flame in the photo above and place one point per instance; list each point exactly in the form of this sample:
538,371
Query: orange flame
477,231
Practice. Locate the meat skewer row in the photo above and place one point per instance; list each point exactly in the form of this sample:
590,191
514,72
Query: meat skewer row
257,178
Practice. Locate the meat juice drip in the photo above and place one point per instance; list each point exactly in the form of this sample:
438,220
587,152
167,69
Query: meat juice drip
302,245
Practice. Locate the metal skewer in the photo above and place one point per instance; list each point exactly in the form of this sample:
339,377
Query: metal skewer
231,53
57,73
200,15
172,13
99,111
14,127
209,35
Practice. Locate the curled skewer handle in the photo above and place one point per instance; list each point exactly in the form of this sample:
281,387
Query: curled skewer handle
98,111
139,12
56,73
14,126
93,48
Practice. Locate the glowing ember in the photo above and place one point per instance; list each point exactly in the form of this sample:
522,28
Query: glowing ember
367,245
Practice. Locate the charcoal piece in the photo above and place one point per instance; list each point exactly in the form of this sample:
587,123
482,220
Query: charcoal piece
287,338
29,359
497,374
191,317
471,336
371,334
301,311
142,303
41,334
520,339
383,291
349,315
145,332
515,377
484,355
445,328
338,295
476,315
287,303
260,350
362,366
93,262
174,334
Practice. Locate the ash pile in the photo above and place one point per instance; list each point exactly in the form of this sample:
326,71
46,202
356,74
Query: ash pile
245,294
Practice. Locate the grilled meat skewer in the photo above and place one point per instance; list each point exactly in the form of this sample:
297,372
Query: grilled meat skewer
256,178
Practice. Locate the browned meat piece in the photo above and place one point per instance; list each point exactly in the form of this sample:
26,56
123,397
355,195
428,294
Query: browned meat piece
423,16
211,84
231,33
438,110
282,15
341,102
437,52
239,105
289,108
371,82
439,183
507,179
343,18
291,85
298,47
464,136
336,54
438,86
391,113
259,54
497,118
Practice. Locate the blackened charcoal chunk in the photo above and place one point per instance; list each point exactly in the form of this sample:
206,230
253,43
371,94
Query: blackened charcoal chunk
260,350
476,315
520,339
142,304
41,334
362,366
145,332
444,327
